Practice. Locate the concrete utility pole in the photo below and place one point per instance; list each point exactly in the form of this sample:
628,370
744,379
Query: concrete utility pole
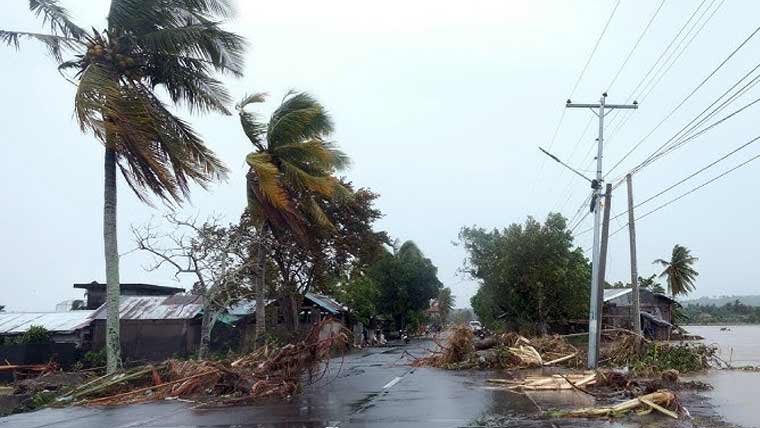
596,186
603,261
634,268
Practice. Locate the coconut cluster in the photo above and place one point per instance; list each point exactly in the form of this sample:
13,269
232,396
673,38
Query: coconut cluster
118,56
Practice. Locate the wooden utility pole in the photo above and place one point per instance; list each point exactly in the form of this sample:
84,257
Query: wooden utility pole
634,268
603,262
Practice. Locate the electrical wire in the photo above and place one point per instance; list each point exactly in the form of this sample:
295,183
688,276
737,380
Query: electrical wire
635,45
679,105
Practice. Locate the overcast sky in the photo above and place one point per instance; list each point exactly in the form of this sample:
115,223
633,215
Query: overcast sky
441,106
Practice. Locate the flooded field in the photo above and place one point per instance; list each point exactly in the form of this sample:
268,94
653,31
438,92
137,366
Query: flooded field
735,393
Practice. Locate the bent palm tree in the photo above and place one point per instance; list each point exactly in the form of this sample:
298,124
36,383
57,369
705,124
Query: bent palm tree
171,44
292,167
679,271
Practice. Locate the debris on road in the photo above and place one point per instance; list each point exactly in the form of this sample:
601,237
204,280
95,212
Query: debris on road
266,372
555,382
662,401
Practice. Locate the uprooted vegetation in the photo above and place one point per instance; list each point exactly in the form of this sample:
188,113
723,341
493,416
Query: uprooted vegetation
270,371
513,351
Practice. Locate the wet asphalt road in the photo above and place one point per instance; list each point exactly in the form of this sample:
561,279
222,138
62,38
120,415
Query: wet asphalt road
369,388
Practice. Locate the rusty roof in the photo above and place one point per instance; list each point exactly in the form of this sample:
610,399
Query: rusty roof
156,307
57,322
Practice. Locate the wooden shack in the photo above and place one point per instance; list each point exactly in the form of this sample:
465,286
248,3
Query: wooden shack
656,311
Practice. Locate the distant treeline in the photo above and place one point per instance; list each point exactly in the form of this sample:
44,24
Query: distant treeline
734,312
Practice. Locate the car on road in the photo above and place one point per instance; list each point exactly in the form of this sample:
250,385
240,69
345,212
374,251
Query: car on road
476,326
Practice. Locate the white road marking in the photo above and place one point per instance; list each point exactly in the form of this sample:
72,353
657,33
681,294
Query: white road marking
391,383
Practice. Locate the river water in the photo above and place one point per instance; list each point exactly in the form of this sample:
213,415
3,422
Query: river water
735,394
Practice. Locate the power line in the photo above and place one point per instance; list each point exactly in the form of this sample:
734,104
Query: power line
687,138
593,51
694,174
642,97
575,86
635,45
657,61
699,86
683,195
700,186
656,80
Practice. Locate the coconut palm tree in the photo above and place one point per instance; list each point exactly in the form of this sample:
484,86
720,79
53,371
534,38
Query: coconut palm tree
445,303
174,45
293,165
679,271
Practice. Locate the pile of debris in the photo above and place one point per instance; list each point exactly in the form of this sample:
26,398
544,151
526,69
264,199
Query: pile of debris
647,357
458,352
663,401
504,351
266,372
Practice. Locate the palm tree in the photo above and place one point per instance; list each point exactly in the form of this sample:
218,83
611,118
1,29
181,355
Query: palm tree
174,45
445,303
679,271
293,165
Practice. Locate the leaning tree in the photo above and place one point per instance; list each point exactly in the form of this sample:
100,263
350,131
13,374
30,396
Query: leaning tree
679,271
291,168
148,48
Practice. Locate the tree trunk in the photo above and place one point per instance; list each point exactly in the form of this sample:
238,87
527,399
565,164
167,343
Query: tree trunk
113,344
207,325
260,287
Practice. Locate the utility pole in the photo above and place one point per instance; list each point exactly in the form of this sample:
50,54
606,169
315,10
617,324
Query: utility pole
596,186
634,268
603,261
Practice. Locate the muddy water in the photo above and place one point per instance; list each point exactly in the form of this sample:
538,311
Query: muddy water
736,395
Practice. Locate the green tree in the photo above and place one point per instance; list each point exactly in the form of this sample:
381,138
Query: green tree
292,167
445,303
679,271
530,273
407,280
174,45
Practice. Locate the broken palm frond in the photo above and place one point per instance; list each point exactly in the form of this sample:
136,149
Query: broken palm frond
504,351
555,382
458,350
649,357
29,368
264,373
663,401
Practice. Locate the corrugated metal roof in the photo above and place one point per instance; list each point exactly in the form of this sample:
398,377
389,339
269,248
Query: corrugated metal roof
614,293
156,308
245,307
325,302
58,322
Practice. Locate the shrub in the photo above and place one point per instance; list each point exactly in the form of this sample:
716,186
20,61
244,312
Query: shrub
35,335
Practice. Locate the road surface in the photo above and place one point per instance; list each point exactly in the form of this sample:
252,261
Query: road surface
369,388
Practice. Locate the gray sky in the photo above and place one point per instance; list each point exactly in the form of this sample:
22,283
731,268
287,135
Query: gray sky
441,106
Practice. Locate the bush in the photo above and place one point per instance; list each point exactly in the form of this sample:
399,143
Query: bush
35,335
95,358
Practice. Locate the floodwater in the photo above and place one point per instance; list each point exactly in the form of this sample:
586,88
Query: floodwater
735,394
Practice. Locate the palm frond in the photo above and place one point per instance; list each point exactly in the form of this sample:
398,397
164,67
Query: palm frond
254,129
56,18
301,180
268,177
299,118
188,82
54,44
201,39
141,16
317,215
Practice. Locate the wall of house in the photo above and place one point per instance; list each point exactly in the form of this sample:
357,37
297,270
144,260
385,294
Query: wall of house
153,340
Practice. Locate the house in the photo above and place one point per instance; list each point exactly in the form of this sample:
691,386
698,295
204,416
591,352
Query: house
153,327
656,311
95,292
64,327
